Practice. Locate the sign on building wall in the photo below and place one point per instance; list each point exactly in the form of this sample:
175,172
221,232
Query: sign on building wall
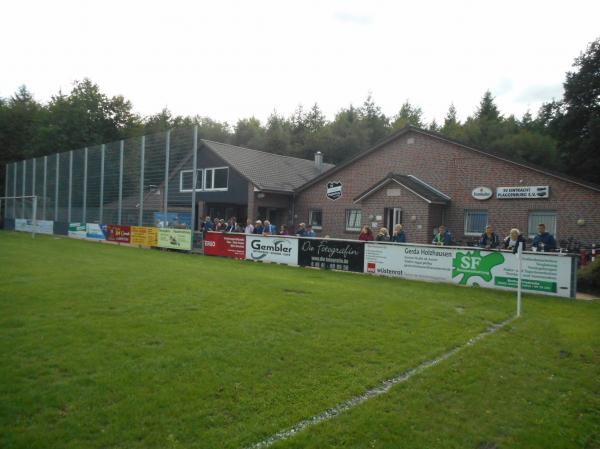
331,254
275,249
77,230
175,238
493,269
482,193
522,192
41,226
116,233
334,190
95,231
225,245
142,235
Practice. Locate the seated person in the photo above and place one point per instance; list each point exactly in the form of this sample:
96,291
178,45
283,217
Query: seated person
513,239
489,239
443,237
543,241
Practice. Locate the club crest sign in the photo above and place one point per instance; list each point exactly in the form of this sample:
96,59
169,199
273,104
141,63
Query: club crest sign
334,190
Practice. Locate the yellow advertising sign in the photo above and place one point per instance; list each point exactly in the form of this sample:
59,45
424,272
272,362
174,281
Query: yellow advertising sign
141,235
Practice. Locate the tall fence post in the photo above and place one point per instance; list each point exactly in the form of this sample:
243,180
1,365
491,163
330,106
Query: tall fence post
142,157
45,189
166,186
85,175
121,150
5,192
101,205
34,221
519,276
33,166
70,185
194,177
56,186
23,189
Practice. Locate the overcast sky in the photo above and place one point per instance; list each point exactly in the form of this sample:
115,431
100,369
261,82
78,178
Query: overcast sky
233,59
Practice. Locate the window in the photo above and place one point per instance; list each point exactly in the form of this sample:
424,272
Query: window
216,178
315,218
353,219
547,217
186,180
475,221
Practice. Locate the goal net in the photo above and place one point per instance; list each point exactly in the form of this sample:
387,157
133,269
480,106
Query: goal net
20,213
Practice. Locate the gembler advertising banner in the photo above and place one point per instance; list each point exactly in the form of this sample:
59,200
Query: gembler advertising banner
117,233
548,274
77,230
331,254
41,226
225,245
142,235
275,249
95,231
175,238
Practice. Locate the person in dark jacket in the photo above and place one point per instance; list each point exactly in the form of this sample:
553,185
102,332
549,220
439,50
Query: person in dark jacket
258,227
232,225
443,237
301,230
208,224
513,239
489,239
543,241
399,236
383,235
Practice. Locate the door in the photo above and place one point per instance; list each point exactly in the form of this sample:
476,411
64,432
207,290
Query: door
392,216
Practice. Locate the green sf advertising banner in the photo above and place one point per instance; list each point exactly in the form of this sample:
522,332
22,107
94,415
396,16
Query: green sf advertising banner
175,238
542,273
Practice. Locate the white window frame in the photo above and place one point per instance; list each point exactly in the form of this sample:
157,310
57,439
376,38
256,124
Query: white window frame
310,221
211,188
348,214
551,226
191,170
475,211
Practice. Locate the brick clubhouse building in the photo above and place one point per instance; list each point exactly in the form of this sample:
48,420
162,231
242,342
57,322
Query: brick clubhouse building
423,179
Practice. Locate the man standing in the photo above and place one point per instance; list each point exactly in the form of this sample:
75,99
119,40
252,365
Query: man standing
231,225
544,241
301,230
443,237
269,228
309,231
249,229
489,239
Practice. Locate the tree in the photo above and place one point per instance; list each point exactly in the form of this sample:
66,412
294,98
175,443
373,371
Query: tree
452,126
408,115
375,121
576,122
248,132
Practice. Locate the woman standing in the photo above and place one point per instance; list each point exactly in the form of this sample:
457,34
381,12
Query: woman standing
383,235
513,239
366,234
399,236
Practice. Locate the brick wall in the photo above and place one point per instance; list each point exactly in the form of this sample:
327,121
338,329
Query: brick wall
456,171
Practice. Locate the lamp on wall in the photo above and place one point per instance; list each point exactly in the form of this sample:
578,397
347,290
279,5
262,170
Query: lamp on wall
580,222
260,195
413,218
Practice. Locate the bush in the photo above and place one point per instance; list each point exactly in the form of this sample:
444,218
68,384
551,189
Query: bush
588,278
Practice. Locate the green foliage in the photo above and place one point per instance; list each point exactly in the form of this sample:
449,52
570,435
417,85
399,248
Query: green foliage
588,278
408,115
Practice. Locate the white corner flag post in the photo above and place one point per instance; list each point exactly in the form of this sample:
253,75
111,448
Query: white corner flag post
519,276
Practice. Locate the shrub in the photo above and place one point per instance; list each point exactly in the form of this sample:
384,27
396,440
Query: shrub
588,278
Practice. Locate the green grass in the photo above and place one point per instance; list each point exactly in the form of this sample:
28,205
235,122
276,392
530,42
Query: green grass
114,347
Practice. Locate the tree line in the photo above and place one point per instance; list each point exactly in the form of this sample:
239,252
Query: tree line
564,135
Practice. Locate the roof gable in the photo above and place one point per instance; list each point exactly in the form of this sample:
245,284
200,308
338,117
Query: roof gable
415,185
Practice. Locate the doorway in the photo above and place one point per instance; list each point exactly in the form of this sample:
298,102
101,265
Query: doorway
392,217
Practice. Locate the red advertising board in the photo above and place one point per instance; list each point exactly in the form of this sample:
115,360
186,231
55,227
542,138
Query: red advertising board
225,245
121,234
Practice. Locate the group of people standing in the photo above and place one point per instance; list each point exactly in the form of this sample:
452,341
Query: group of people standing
258,227
543,240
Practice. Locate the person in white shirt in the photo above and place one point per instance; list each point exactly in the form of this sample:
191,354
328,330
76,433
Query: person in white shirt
249,229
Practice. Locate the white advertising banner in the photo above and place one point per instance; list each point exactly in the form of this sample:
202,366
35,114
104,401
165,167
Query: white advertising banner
77,230
546,274
272,249
522,192
41,226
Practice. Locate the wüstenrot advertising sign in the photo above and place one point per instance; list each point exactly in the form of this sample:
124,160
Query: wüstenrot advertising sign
275,249
546,274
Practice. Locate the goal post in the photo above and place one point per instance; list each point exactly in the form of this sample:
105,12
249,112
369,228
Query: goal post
23,208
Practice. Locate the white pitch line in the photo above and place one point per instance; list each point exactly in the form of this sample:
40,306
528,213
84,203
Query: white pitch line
378,390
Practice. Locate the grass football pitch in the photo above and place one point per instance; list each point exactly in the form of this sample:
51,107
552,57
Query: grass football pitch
104,346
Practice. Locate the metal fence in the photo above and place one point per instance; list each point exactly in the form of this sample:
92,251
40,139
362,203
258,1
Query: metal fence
125,182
